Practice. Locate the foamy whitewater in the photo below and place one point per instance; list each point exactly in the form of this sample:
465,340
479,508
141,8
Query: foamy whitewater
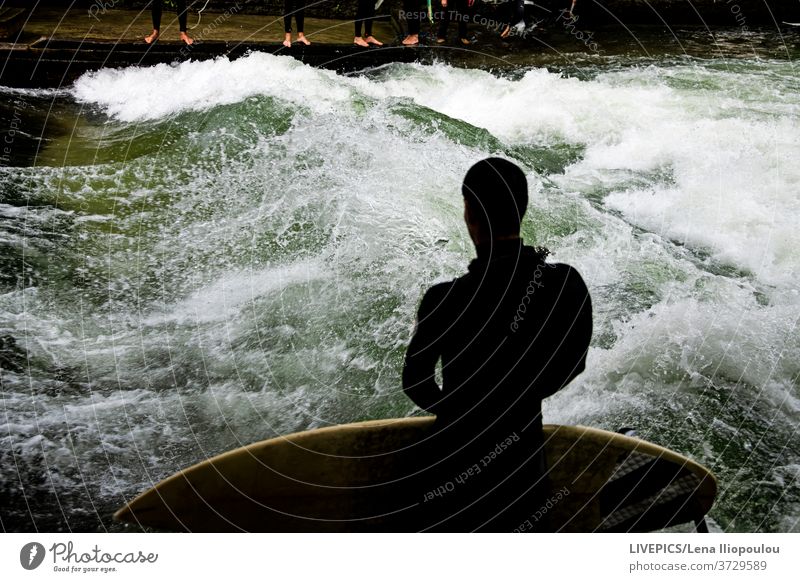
218,252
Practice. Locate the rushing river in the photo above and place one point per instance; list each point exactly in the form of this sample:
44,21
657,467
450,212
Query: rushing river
205,255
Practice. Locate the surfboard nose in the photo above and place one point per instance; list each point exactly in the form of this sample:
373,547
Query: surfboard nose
125,515
148,509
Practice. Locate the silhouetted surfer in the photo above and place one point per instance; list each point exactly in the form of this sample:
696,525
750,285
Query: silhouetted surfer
156,13
510,332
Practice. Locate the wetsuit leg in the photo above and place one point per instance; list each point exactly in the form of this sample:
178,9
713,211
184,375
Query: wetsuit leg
181,5
517,12
288,6
300,14
457,10
413,15
155,10
369,15
361,14
444,21
463,17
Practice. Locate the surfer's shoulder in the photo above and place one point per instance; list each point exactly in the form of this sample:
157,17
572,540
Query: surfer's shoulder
570,283
562,270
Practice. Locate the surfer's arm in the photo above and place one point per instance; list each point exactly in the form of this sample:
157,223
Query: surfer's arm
419,380
569,359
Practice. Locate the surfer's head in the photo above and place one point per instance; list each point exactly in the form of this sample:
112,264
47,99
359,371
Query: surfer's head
495,199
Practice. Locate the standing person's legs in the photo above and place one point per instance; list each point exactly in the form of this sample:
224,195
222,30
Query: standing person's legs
361,15
182,12
155,12
457,10
444,22
299,16
412,15
155,9
287,23
370,15
414,23
463,18
288,6
517,14
365,16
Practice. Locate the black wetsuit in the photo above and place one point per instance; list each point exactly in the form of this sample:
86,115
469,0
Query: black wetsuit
364,14
509,333
456,10
415,13
517,12
156,13
296,8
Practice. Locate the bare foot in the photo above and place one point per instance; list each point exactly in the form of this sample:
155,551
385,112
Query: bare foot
302,38
506,31
151,38
411,39
186,38
373,40
287,41
359,41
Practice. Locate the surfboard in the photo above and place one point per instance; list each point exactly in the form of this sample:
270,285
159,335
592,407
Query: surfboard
342,479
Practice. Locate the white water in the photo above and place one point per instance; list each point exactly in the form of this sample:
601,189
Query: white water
728,152
273,284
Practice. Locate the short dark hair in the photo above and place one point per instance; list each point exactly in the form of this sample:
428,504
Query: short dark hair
496,192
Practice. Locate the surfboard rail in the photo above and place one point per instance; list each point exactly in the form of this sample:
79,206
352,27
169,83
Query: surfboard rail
345,478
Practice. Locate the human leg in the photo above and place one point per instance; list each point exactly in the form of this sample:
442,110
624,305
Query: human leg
155,13
463,18
182,15
412,15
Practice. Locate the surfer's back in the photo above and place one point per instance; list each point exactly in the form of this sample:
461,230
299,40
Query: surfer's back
510,332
